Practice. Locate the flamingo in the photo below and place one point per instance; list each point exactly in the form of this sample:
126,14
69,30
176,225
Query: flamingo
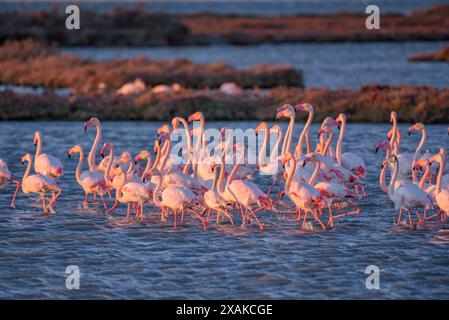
132,88
38,183
245,193
230,88
92,182
213,200
404,159
101,167
406,195
44,163
441,194
418,127
175,198
303,195
5,177
130,192
348,160
165,89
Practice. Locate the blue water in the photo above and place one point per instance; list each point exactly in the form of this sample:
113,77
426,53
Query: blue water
121,258
332,65
251,7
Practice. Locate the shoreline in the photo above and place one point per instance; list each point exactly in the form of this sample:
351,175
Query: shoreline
367,104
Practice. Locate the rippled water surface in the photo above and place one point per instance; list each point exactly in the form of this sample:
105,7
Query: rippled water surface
121,258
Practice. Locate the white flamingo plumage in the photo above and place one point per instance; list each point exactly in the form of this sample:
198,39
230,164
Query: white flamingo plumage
92,182
44,163
40,184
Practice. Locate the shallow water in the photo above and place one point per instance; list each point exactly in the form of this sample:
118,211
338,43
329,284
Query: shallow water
121,258
332,65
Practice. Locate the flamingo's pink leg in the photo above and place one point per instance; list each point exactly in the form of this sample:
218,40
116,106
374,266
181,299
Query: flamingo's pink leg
114,206
102,200
356,211
175,212
318,219
253,213
331,218
201,218
15,192
54,198
208,215
43,203
85,200
109,194
410,218
95,196
419,217
306,213
182,215
129,210
400,215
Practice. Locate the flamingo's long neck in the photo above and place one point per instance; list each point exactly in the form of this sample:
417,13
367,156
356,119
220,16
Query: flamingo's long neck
93,150
393,141
286,145
393,177
189,144
424,177
298,150
156,199
328,143
107,173
383,172
421,143
38,149
274,153
27,173
148,166
314,176
215,181
122,182
220,186
234,170
442,163
339,151
79,166
290,173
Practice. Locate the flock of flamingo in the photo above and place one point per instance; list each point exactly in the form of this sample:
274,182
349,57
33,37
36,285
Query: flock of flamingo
322,184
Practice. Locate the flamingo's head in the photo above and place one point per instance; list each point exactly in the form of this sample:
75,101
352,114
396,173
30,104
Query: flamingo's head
393,117
285,111
74,149
197,116
26,157
381,145
176,87
92,122
261,127
125,157
163,129
304,107
313,157
324,129
286,158
106,146
144,154
341,118
415,128
164,136
37,137
419,164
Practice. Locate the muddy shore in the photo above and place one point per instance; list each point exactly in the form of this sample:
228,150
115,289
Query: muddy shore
371,103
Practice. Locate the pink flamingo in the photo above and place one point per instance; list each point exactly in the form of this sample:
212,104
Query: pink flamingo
348,160
406,195
38,183
44,163
441,194
303,195
92,182
175,198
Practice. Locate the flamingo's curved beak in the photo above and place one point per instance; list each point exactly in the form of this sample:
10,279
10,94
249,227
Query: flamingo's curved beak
69,155
85,128
377,150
